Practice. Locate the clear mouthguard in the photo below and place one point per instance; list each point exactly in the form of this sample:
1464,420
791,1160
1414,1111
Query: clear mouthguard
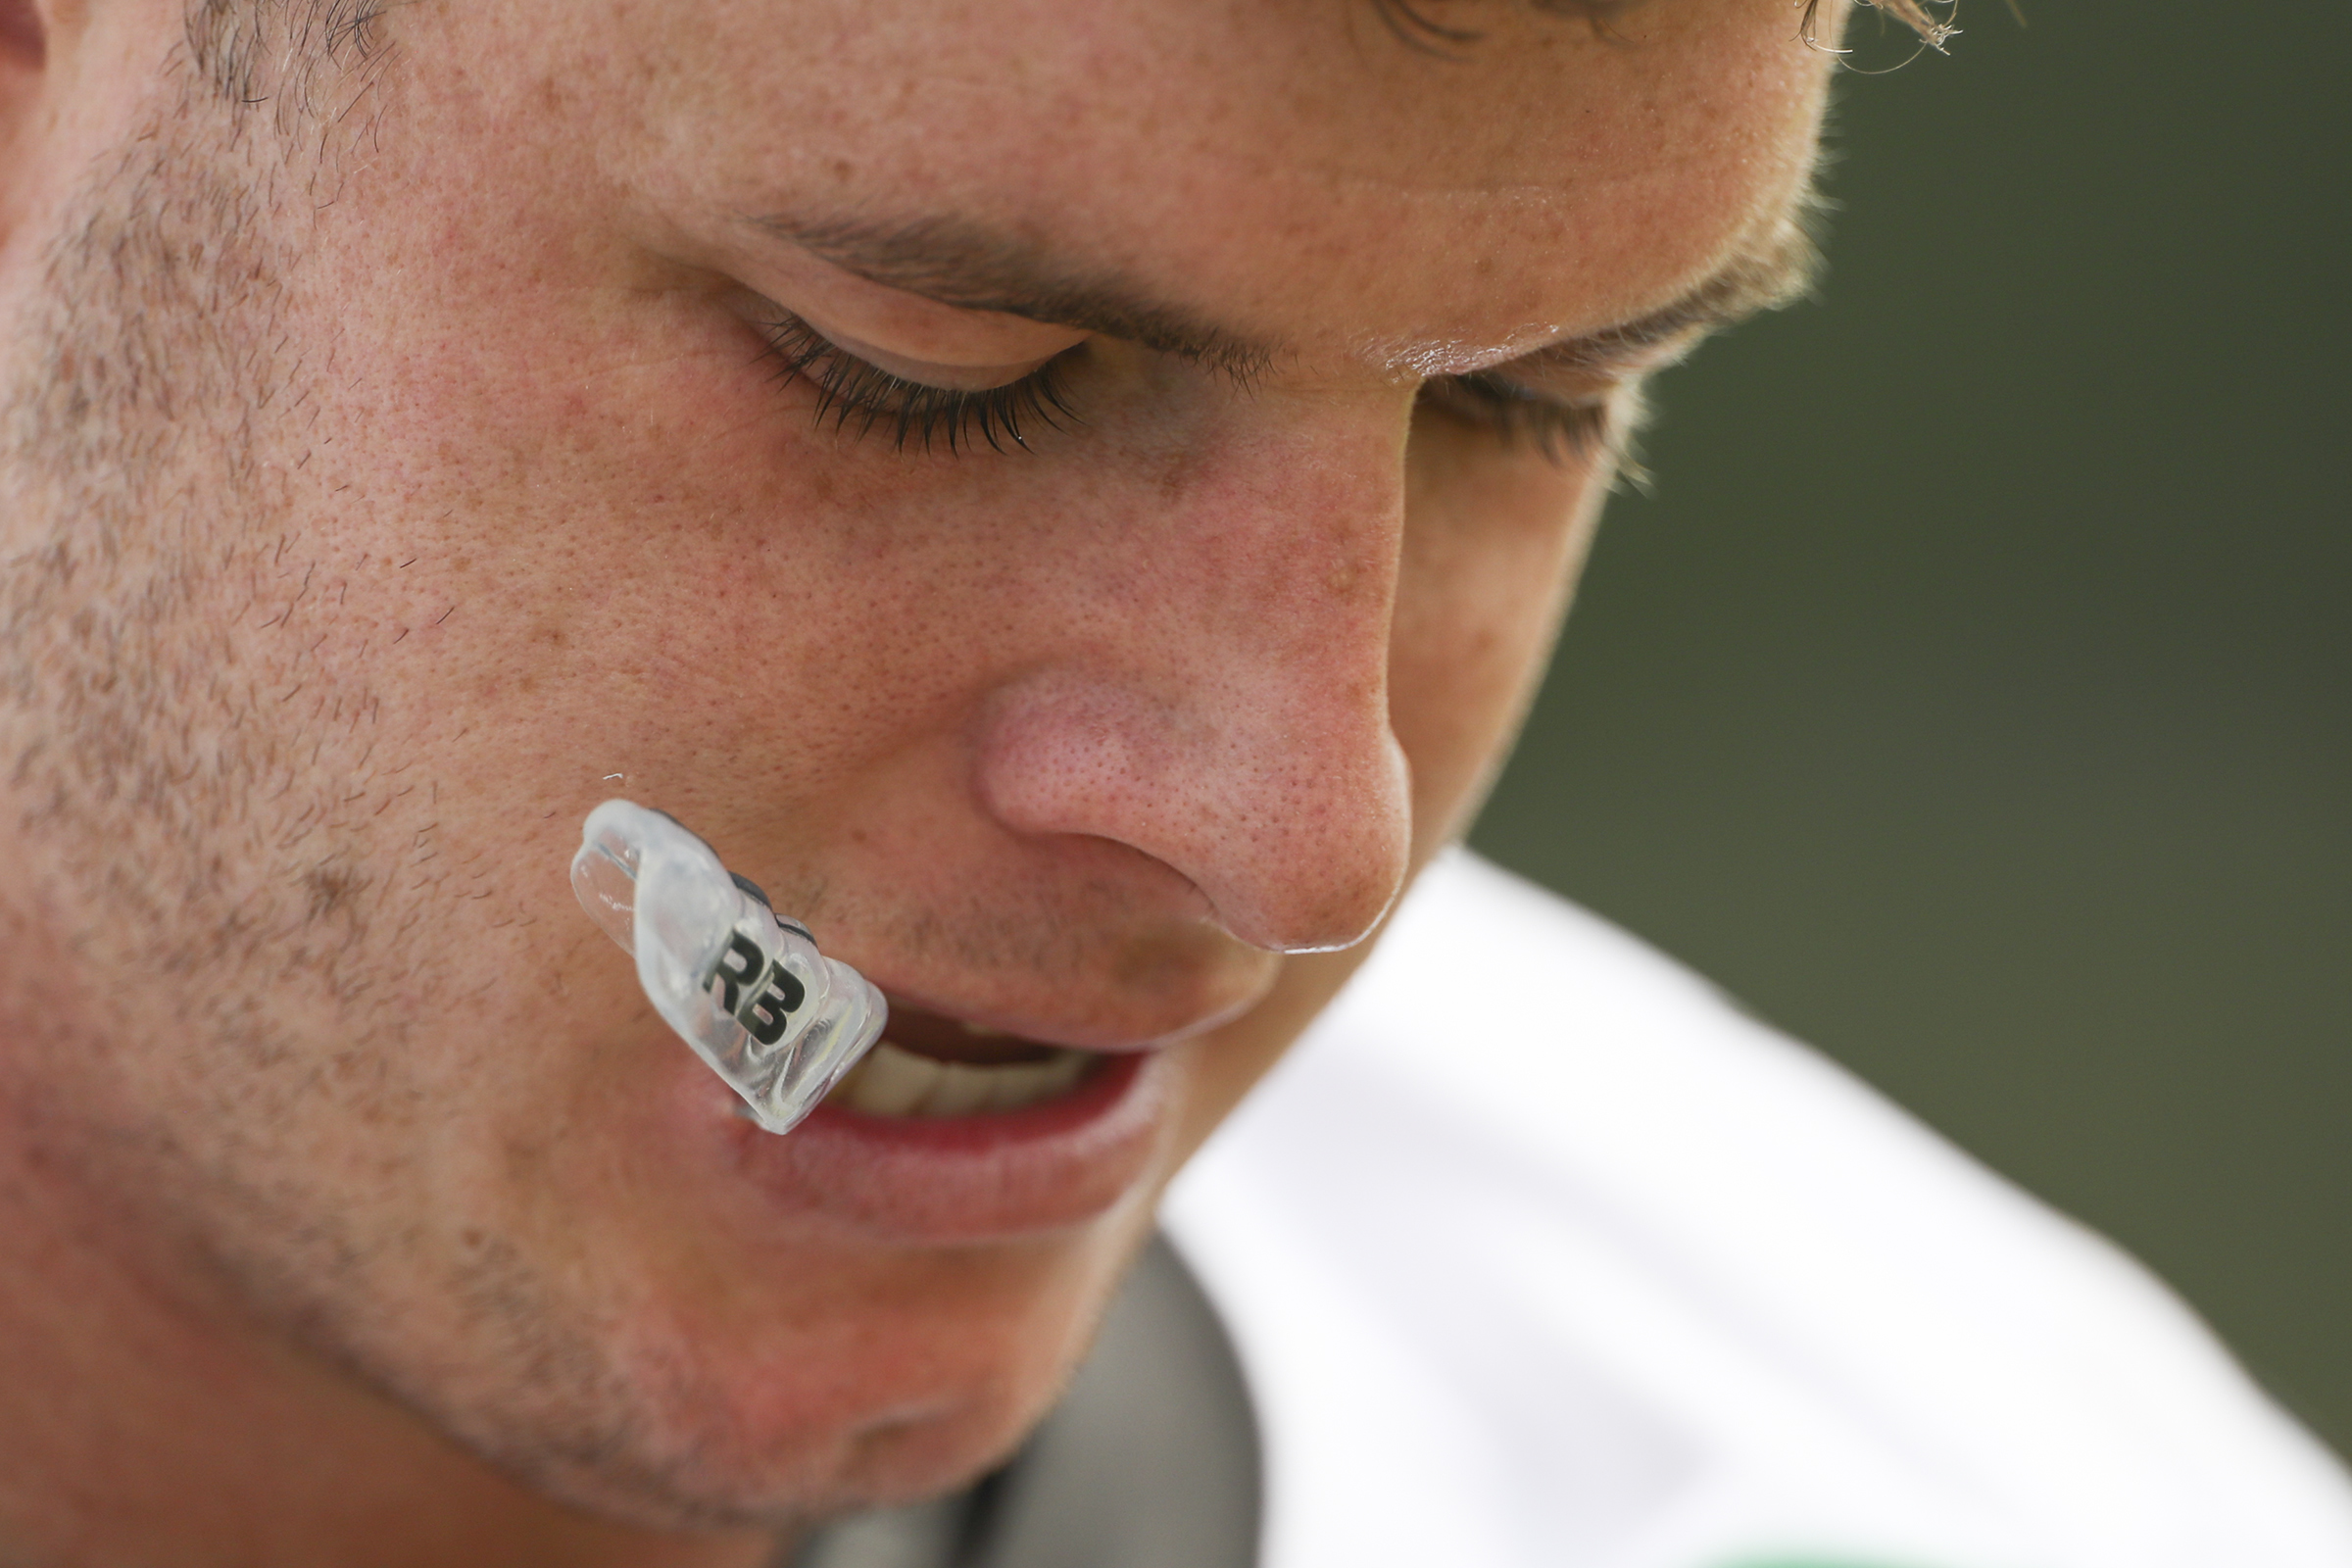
742,985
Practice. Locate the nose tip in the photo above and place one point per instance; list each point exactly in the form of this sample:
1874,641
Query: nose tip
1303,857
1295,833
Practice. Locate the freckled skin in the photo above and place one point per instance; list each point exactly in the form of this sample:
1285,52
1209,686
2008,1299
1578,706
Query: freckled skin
392,484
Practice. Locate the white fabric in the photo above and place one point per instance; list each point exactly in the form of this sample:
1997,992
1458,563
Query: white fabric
1538,1252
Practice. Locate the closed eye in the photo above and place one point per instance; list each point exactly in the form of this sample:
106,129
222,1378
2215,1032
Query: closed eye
861,397
1566,430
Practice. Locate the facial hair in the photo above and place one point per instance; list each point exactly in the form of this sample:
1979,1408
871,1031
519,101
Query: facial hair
225,875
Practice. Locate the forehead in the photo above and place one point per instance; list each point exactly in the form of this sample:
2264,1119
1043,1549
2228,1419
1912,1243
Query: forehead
1286,168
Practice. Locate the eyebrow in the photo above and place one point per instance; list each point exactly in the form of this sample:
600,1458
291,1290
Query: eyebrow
1780,269
962,264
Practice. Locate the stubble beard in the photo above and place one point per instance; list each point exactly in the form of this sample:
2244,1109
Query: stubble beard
219,871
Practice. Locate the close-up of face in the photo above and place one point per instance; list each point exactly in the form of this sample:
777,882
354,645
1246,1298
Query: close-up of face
1072,501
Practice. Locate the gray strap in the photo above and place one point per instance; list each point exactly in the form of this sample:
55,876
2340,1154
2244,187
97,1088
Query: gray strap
1150,1462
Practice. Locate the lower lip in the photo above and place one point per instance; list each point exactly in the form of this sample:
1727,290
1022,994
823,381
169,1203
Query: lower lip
1044,1167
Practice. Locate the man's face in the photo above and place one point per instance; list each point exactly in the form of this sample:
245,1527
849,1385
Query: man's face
573,400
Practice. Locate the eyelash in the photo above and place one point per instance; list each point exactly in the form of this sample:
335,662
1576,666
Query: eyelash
848,390
1563,432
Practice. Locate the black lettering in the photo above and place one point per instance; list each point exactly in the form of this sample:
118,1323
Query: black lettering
786,988
736,978
763,1018
767,1014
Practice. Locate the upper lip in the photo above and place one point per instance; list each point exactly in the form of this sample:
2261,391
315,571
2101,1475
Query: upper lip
1065,1032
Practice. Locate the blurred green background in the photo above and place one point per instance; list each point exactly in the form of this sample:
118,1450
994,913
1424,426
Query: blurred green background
1970,698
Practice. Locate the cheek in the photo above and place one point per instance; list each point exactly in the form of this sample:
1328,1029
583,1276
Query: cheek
1493,539
600,539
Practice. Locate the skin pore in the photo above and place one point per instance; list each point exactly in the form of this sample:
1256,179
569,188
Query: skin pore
518,404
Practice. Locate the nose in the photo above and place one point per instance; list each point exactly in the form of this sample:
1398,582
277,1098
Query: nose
1219,699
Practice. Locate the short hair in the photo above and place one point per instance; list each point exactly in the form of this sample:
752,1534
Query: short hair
280,51
1415,26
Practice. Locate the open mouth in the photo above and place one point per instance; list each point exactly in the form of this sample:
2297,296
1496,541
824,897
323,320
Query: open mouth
952,1132
932,1065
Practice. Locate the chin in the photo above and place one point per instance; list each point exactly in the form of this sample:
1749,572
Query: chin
714,1467
644,1307
892,1375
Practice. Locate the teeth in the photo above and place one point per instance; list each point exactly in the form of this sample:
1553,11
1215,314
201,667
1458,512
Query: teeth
891,1082
1018,1084
960,1091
